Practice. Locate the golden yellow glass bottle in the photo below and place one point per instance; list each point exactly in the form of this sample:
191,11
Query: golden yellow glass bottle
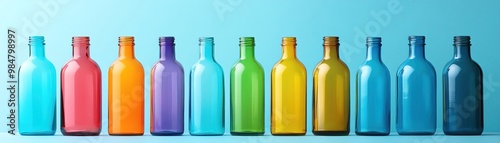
288,93
126,92
331,92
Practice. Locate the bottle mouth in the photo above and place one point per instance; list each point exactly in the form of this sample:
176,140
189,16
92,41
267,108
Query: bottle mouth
206,40
416,39
373,41
289,41
81,40
331,41
37,39
461,40
247,41
166,40
126,40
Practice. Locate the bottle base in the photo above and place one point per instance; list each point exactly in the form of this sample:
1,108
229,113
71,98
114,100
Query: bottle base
372,133
288,134
41,133
331,133
206,134
247,133
406,133
463,133
82,133
126,134
167,133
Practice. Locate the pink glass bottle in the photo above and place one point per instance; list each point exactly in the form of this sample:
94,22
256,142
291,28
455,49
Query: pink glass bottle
81,92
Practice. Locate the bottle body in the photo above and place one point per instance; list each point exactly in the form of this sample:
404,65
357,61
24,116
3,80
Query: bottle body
206,100
167,92
331,93
247,92
288,93
463,92
126,92
373,93
37,92
80,92
416,93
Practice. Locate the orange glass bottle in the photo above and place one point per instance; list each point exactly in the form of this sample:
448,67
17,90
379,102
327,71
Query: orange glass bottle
126,92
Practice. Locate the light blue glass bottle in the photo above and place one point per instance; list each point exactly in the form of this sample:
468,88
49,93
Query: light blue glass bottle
37,92
416,92
373,93
463,92
206,89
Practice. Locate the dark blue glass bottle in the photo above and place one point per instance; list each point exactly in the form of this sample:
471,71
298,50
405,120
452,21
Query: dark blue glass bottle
416,92
373,93
463,92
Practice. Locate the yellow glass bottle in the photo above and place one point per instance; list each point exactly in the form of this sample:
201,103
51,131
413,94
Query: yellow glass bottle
288,93
126,92
331,92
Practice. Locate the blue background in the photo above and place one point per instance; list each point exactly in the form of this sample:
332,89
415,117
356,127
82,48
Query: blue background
268,21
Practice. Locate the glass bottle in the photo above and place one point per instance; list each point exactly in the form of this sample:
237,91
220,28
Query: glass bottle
247,92
37,92
416,92
126,92
81,92
167,92
288,93
373,93
206,100
463,92
331,92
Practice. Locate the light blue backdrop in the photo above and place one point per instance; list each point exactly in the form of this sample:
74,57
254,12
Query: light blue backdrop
268,21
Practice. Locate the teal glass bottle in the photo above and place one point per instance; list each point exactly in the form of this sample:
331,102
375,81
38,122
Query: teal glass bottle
206,89
373,96
247,92
463,92
416,92
37,92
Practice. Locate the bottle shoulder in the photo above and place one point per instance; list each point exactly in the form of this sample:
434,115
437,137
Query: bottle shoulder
37,63
416,64
206,64
460,65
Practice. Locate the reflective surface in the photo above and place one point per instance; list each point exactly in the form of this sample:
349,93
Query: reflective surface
331,92
81,92
288,93
37,92
463,92
167,92
206,100
416,92
247,92
126,92
373,93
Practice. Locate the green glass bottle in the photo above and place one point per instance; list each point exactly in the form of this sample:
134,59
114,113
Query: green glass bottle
247,92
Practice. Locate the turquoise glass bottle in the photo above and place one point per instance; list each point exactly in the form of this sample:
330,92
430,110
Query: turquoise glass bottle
247,92
37,92
416,92
373,93
206,89
463,92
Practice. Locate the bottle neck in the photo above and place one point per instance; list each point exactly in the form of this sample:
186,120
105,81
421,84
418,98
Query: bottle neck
37,50
247,52
462,52
330,52
373,53
207,50
289,52
126,51
80,51
167,52
417,51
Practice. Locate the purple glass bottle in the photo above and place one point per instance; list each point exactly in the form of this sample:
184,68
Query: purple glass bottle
167,92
